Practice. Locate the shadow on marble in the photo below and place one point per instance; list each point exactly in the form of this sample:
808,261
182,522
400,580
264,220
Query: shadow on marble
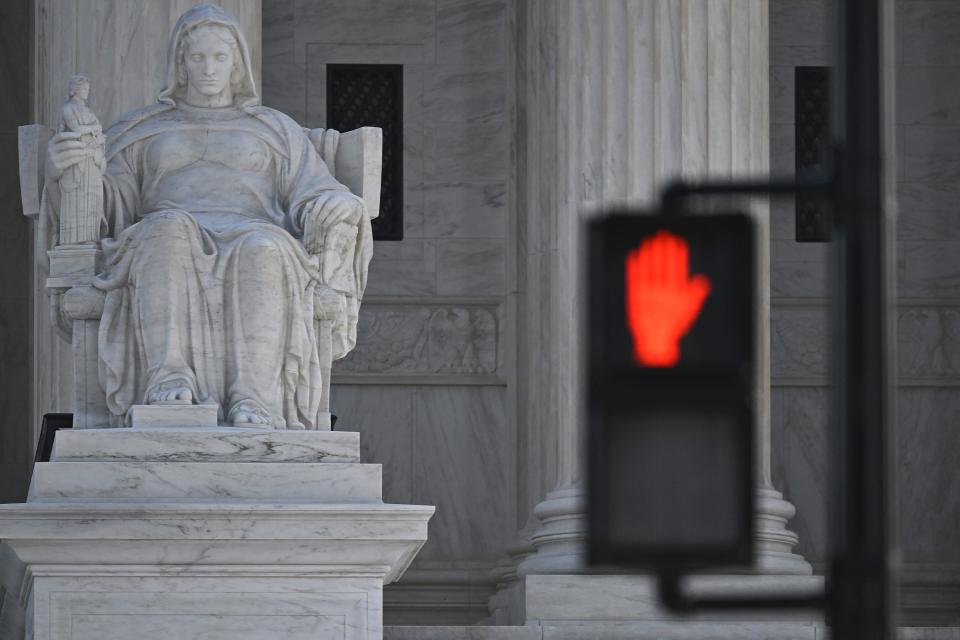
929,94
464,465
384,416
472,32
471,267
465,210
366,21
928,452
927,33
798,342
799,460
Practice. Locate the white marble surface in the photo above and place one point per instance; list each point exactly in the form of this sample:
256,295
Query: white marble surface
146,416
225,444
206,608
555,599
182,323
422,339
443,632
685,631
73,265
211,481
71,36
211,537
358,165
650,631
265,546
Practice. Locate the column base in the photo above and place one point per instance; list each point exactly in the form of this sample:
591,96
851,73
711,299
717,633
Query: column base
559,541
774,541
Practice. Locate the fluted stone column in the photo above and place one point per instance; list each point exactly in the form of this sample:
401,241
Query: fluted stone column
121,45
614,98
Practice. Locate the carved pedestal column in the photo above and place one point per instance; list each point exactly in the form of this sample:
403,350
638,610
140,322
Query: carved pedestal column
614,99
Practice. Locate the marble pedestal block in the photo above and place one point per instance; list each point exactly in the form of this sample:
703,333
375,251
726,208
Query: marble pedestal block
209,533
627,607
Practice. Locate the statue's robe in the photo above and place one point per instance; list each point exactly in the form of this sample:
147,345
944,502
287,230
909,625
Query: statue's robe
207,282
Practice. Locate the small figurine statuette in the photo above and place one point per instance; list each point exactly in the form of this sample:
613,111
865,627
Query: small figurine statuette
81,186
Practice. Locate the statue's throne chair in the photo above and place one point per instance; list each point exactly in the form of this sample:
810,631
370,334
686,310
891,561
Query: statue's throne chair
354,158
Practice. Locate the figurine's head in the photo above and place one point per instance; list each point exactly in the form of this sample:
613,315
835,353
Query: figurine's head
208,60
79,87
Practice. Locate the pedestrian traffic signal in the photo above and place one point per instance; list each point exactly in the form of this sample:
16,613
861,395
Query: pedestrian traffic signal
670,381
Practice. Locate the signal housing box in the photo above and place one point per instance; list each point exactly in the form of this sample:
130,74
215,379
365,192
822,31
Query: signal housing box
671,447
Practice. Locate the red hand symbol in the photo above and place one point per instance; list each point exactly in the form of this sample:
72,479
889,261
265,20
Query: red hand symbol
663,301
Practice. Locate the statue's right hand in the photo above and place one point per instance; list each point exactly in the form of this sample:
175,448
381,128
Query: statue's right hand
63,151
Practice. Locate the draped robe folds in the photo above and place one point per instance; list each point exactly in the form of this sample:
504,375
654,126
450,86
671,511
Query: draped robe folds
206,282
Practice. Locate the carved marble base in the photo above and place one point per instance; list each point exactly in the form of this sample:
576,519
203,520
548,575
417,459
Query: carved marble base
209,533
173,415
73,265
621,607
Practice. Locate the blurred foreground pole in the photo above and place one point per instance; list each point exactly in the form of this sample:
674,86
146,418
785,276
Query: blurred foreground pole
862,603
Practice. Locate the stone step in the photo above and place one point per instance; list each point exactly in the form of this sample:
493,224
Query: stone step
174,415
462,633
224,444
217,481
626,630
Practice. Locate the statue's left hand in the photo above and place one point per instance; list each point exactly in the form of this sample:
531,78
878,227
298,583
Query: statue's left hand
340,206
330,209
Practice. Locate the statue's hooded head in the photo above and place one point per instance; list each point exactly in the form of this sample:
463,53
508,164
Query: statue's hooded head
241,78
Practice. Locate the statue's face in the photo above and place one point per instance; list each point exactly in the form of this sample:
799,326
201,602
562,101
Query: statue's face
209,60
83,91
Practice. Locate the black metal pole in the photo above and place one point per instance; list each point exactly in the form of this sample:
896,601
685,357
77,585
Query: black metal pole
861,591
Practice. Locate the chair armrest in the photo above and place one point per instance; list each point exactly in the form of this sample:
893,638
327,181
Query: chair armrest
355,158
359,165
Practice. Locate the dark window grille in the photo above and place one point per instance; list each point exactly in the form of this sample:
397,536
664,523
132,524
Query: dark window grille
812,131
371,95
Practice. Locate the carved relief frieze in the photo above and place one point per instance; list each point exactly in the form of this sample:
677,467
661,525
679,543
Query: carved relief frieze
424,339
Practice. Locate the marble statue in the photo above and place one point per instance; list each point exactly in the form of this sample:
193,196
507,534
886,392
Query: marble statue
81,185
223,230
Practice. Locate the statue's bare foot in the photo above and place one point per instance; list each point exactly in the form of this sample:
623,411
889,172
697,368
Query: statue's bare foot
249,414
171,392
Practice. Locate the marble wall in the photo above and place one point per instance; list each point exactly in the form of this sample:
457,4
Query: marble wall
928,304
430,384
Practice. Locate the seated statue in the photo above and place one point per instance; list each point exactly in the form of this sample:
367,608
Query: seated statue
222,228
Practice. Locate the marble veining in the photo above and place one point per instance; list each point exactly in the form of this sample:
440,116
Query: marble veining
213,445
238,297
418,339
59,481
